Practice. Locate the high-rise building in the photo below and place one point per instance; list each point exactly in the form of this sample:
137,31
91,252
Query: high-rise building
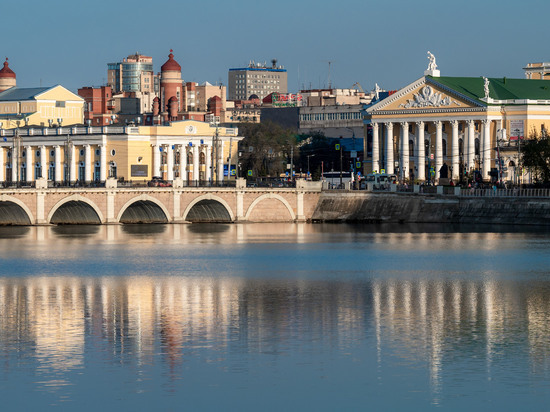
132,74
257,79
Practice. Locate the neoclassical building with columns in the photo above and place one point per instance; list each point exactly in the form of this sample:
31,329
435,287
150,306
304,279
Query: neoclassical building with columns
439,126
191,151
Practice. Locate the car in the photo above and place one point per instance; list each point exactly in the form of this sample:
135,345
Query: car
158,182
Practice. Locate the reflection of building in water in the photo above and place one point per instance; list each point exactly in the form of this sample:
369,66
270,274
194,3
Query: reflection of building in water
421,320
48,312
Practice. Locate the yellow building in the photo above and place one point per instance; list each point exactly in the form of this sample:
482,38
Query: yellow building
188,150
445,127
40,106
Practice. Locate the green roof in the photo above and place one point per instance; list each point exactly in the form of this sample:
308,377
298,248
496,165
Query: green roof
499,88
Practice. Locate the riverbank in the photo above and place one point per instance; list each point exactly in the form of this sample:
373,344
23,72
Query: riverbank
422,208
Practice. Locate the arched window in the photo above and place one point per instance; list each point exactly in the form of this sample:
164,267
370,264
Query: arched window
444,147
477,150
411,148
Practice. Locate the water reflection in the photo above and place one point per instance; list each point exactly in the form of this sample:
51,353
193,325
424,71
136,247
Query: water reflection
344,309
53,320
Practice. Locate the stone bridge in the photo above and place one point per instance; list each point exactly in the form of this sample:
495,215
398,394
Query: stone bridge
111,205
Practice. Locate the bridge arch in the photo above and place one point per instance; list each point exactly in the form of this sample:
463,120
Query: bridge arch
214,209
143,209
270,196
16,213
89,212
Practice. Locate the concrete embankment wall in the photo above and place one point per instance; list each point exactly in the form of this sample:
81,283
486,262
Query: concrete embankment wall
416,208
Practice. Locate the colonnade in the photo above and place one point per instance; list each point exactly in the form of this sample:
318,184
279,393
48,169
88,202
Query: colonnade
89,162
28,163
432,135
189,166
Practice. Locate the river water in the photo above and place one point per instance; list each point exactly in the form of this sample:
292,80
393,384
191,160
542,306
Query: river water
274,317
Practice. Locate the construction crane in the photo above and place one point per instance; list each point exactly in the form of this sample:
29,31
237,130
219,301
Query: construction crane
358,86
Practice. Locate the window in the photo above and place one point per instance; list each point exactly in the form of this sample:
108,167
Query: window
59,103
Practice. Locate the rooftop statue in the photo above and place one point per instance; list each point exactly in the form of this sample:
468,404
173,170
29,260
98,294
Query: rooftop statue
486,87
431,65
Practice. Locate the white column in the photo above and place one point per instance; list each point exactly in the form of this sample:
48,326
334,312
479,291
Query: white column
72,162
87,163
420,152
404,162
438,148
44,162
156,161
375,149
208,150
454,151
30,163
58,167
195,162
103,163
14,156
471,143
389,148
486,153
170,162
183,162
465,147
220,162
2,165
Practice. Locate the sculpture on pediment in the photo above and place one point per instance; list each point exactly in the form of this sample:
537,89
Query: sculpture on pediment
431,65
428,98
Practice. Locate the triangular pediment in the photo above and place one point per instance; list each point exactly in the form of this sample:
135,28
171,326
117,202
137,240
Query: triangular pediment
423,95
58,93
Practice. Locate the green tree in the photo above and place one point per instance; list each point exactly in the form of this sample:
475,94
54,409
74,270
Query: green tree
266,148
536,156
320,151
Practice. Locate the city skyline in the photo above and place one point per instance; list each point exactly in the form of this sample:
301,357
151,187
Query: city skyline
363,42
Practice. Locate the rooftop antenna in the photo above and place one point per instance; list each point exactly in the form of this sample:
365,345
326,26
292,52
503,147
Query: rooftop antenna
329,84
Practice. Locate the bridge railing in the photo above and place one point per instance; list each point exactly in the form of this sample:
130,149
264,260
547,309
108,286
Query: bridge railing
514,192
17,185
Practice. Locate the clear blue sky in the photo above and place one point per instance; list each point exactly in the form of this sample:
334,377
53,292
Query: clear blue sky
70,42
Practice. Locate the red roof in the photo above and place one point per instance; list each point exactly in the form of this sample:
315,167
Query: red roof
6,71
171,64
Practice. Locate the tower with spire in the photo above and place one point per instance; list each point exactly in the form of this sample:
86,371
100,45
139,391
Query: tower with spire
171,88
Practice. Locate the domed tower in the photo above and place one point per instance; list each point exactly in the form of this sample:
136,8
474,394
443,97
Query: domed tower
171,84
7,77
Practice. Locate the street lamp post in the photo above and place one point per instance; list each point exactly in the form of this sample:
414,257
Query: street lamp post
308,156
518,173
341,150
16,151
